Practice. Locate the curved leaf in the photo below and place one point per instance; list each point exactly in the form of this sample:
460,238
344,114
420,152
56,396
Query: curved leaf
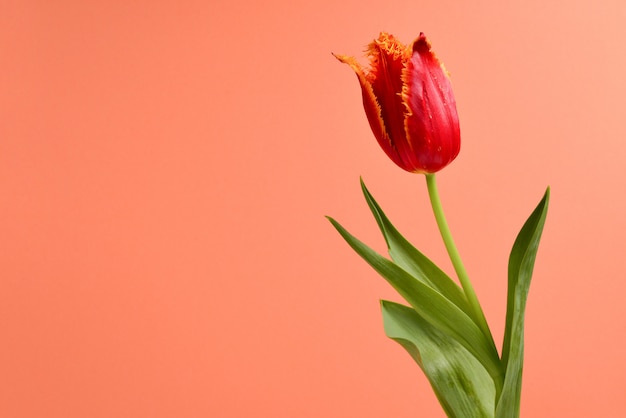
461,383
430,304
404,254
521,264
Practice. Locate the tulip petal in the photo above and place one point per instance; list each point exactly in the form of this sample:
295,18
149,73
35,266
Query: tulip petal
372,108
432,125
388,59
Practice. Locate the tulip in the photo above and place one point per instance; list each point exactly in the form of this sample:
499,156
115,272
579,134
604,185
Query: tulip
409,103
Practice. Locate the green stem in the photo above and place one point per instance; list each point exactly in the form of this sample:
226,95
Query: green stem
435,202
478,315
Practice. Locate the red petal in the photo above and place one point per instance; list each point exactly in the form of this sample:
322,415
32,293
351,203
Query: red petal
388,58
433,124
372,109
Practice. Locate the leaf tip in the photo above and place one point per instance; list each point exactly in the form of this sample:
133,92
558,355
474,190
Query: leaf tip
546,198
363,186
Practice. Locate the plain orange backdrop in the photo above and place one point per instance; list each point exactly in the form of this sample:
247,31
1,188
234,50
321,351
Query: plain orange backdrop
165,169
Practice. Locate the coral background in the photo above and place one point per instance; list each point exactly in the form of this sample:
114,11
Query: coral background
165,169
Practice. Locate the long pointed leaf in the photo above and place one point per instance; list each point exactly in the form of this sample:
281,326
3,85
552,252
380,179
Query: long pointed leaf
461,383
430,304
521,264
404,254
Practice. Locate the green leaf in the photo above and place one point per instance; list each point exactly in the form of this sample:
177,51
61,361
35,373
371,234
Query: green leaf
521,263
430,304
461,383
404,254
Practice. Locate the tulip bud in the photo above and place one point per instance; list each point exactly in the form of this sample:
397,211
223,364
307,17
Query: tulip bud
409,103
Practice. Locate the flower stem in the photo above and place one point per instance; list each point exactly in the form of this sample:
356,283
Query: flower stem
479,316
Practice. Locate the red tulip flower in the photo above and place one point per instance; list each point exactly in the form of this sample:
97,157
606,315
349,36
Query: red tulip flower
409,103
